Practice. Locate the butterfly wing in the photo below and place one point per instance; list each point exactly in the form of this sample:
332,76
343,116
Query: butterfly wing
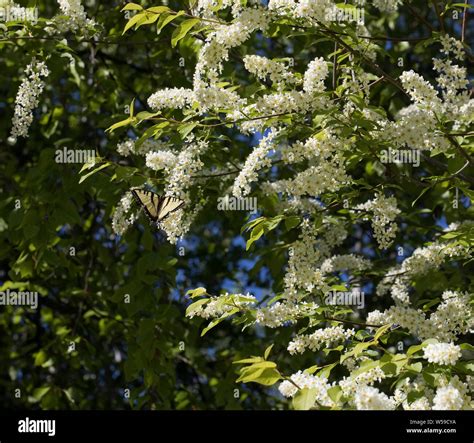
168,205
149,201
156,208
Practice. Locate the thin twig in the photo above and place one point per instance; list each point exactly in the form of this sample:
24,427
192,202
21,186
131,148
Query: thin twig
440,19
351,322
464,21
420,18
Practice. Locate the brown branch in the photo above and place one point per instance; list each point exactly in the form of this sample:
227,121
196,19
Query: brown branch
464,21
420,18
369,62
440,19
351,322
459,148
439,164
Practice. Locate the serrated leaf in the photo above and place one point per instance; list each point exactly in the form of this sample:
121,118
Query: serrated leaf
182,30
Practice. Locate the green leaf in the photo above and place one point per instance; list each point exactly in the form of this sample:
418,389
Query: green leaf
257,232
132,7
39,393
196,306
185,129
415,367
267,352
356,350
119,124
414,349
335,393
304,399
40,358
249,225
266,377
215,322
133,21
182,30
326,372
84,177
166,19
193,293
158,9
292,222
381,331
248,360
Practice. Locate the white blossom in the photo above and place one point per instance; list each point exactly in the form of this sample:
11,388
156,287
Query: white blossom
384,211
442,353
322,337
258,159
27,98
123,217
308,381
315,75
370,398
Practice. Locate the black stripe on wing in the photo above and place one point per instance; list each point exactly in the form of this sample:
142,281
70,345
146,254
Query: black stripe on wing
164,203
151,196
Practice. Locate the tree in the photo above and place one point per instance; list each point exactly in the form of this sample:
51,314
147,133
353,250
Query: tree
324,156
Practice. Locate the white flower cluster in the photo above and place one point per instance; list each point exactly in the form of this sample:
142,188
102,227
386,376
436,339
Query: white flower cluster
442,353
128,147
384,211
387,5
179,170
302,272
276,71
218,306
171,98
180,177
350,385
452,396
285,102
258,159
302,380
178,223
311,11
307,253
27,97
208,8
76,16
281,313
346,262
225,37
314,342
420,91
448,398
326,171
417,124
122,218
422,260
450,45
453,317
158,160
370,398
188,163
315,75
